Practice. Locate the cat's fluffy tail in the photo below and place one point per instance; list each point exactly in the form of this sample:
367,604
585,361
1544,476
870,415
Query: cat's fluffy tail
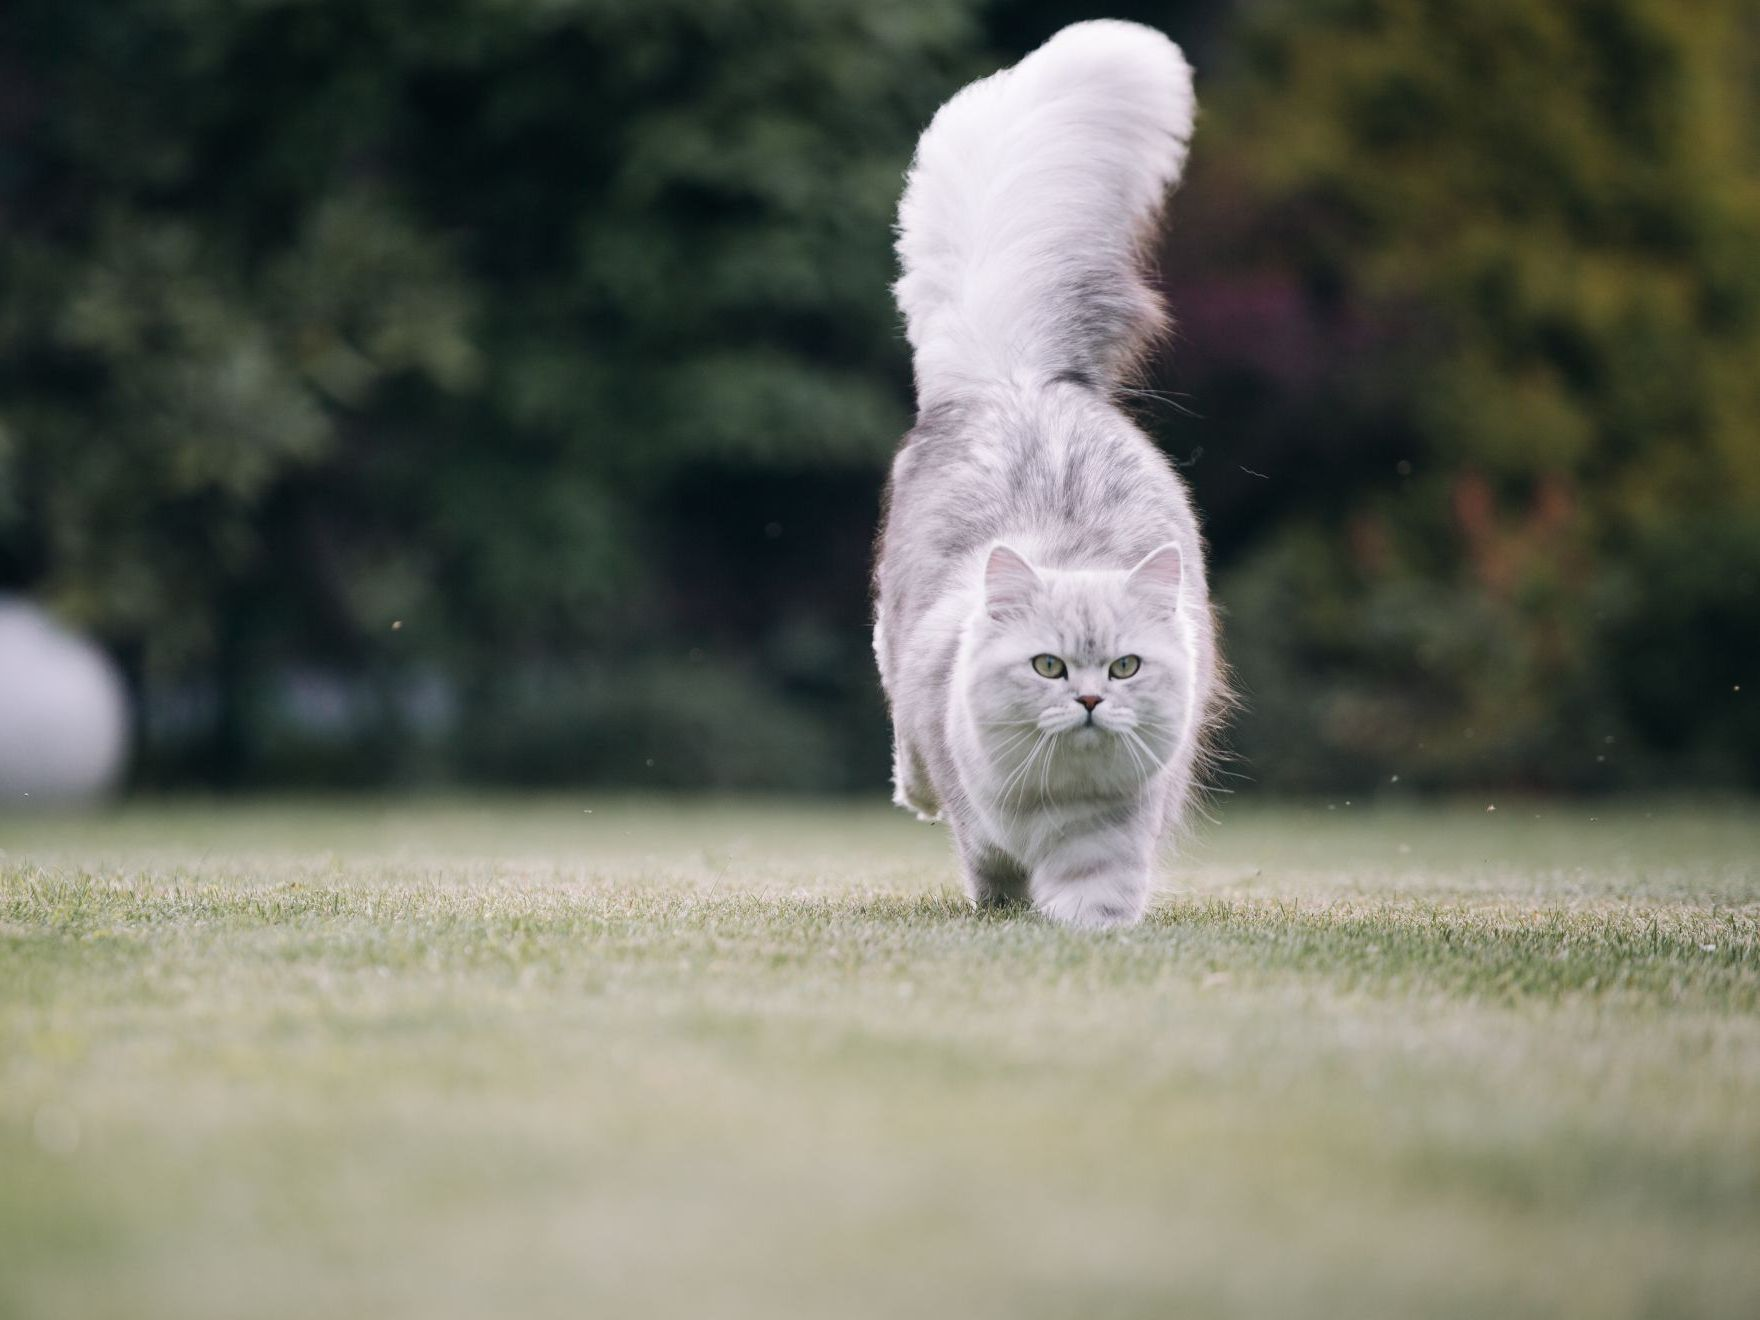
1032,196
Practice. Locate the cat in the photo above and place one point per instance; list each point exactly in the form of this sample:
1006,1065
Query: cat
1043,624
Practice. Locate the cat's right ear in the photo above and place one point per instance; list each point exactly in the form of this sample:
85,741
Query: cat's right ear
1009,584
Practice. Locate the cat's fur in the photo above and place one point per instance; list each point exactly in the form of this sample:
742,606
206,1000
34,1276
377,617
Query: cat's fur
1026,513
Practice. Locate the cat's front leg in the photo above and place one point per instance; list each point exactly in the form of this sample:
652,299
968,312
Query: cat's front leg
1096,874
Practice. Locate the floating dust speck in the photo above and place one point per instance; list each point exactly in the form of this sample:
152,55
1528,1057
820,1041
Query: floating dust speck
396,625
1491,807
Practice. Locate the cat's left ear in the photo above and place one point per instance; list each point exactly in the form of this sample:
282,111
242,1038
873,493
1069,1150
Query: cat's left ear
1159,578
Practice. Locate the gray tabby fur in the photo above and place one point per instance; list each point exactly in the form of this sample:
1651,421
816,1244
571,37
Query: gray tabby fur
1027,514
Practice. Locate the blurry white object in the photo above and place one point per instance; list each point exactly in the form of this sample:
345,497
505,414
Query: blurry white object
63,711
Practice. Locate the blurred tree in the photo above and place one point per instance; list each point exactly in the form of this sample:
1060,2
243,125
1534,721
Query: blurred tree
325,317
1498,267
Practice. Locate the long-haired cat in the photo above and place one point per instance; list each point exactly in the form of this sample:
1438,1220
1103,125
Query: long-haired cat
1043,628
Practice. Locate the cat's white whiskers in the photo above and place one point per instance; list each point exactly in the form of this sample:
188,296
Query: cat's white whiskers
1147,751
1013,741
1020,770
1040,749
1130,746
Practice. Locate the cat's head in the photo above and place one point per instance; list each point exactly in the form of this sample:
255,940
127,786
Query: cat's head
1100,661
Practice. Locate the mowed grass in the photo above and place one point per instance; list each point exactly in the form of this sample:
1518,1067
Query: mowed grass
596,1058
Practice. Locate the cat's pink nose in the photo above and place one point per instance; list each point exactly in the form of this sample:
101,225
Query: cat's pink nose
1090,702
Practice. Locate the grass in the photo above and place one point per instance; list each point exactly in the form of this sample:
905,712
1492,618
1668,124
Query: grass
616,1058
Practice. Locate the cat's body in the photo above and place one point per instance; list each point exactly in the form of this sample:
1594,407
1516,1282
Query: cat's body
1044,630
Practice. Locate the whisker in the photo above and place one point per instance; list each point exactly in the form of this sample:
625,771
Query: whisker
1127,741
1021,769
1020,788
1159,396
1013,741
1146,750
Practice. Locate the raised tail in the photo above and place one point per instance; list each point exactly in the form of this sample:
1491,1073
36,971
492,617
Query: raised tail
1033,194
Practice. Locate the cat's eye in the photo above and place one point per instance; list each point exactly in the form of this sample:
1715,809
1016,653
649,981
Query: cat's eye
1048,666
1125,666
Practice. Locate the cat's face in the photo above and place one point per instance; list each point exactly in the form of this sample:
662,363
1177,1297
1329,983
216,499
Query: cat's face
1089,673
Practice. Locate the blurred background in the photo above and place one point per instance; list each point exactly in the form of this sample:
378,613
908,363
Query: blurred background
500,391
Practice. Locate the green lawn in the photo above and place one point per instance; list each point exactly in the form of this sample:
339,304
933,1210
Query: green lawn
595,1058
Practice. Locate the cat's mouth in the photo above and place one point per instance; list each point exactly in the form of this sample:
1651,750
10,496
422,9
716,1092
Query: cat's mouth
1086,728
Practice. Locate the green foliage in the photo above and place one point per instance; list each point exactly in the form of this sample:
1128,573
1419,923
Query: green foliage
1564,200
324,317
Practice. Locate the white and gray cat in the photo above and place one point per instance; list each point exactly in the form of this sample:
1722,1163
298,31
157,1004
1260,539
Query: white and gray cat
1044,630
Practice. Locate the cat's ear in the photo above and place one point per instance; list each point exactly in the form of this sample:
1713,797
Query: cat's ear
1009,584
1159,576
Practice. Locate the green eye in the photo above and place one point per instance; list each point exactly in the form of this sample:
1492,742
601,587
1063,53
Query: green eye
1048,666
1125,666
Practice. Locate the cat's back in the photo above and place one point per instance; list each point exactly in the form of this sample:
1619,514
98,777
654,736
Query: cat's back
1058,470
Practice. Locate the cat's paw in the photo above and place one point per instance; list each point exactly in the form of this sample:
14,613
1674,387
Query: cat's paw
911,786
927,809
1087,909
917,796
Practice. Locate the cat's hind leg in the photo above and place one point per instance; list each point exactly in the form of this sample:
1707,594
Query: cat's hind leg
992,877
911,786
